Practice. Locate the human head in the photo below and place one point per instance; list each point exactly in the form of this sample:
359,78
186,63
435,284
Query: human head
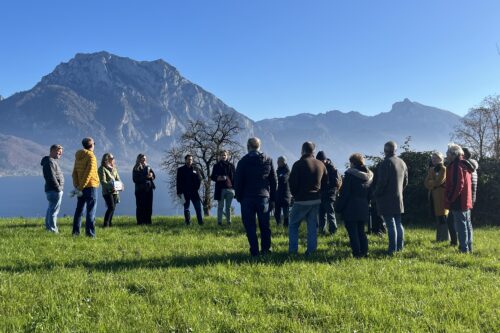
308,148
281,161
321,156
88,143
56,151
140,160
437,158
467,153
253,144
454,151
390,148
223,155
357,160
188,159
107,158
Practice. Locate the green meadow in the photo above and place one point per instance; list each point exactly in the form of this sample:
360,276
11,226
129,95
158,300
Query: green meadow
171,278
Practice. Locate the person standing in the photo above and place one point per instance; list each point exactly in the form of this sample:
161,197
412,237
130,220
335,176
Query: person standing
255,187
189,178
283,195
353,204
109,177
86,180
54,185
434,183
307,178
472,165
458,191
392,178
223,176
327,220
143,177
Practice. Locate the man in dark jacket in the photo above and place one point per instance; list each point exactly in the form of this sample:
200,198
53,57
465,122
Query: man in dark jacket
283,196
307,178
255,186
54,185
327,219
392,178
188,183
223,176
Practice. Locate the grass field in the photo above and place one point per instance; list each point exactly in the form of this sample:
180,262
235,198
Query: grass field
171,278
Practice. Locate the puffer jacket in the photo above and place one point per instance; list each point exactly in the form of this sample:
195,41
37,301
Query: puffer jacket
85,170
354,196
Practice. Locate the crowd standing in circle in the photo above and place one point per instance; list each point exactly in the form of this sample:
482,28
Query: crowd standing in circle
313,190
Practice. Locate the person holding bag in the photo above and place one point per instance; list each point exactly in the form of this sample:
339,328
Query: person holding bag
111,185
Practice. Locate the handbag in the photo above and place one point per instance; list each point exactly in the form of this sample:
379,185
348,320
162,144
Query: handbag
118,185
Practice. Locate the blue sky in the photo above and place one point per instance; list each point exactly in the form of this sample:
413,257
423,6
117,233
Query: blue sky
274,58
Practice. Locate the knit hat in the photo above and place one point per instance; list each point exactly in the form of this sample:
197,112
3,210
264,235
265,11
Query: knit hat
283,158
321,155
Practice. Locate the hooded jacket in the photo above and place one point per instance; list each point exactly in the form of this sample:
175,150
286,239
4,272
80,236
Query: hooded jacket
52,173
283,194
85,170
354,195
458,186
255,177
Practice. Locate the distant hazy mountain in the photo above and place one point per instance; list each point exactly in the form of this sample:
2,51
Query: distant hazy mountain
131,106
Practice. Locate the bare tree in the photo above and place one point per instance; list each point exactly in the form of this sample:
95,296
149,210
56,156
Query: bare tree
492,104
204,140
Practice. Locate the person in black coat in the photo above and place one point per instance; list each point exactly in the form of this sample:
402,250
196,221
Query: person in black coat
353,203
188,183
223,176
143,177
283,195
327,220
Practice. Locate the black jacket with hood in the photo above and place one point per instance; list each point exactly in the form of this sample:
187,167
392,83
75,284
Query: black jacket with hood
354,197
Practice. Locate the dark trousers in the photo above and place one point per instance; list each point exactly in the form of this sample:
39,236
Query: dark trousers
89,199
451,229
144,206
357,238
250,208
195,199
282,206
326,216
111,205
376,224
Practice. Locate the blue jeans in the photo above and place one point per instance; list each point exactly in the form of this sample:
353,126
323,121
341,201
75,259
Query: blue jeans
395,231
54,198
195,199
310,214
227,196
88,198
463,225
250,207
327,220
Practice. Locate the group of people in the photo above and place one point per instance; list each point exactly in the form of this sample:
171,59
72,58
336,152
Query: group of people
312,190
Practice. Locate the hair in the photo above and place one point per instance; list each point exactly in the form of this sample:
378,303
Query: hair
86,142
467,153
438,155
137,165
253,144
187,156
357,160
55,147
105,158
455,150
390,147
282,158
223,152
308,147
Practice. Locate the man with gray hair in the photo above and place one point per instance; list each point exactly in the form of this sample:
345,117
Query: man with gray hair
255,187
458,198
54,185
392,178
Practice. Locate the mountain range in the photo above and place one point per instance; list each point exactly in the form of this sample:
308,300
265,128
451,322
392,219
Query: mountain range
130,107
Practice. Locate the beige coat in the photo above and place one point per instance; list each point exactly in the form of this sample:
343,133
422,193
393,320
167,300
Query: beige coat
434,182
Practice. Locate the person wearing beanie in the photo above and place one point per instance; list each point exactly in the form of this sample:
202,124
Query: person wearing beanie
327,220
283,195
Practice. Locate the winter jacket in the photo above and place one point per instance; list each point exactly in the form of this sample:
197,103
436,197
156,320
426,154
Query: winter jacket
392,178
108,176
435,182
188,180
52,173
472,166
458,187
141,180
307,178
85,170
255,177
222,168
334,179
283,194
353,202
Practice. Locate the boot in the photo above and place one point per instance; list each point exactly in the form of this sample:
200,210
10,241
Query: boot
187,217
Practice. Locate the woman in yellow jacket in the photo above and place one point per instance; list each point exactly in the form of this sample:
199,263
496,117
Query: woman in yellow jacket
434,182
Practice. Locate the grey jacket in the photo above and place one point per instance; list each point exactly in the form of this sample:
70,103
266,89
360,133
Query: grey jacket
54,178
392,178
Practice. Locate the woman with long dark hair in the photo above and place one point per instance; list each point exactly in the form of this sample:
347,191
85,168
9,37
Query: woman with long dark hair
143,177
111,185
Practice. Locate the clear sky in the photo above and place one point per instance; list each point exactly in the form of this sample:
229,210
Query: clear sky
273,58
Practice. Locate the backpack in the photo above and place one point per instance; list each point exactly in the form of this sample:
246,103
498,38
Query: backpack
334,177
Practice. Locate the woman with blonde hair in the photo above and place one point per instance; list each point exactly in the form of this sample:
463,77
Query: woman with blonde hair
111,185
